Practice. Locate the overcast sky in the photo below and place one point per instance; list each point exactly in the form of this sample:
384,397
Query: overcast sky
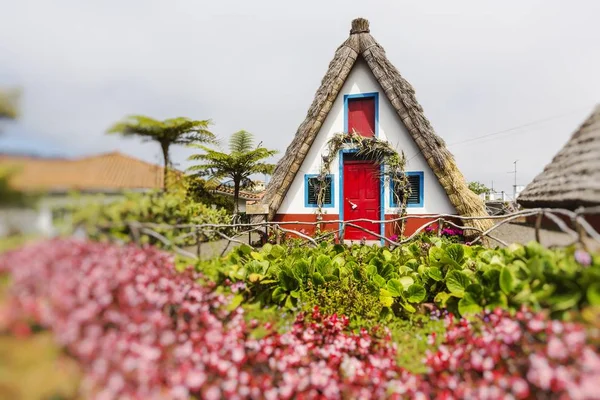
478,67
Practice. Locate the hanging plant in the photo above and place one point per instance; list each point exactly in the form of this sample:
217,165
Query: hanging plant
372,148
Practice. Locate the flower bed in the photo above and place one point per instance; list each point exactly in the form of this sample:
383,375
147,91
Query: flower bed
140,329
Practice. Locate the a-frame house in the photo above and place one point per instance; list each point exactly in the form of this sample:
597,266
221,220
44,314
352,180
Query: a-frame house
363,92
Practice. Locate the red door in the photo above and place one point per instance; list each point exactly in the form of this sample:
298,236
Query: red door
361,197
361,116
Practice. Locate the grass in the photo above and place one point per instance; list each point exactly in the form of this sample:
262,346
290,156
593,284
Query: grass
12,242
36,368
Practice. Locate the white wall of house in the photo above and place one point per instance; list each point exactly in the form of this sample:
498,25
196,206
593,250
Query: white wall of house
27,221
39,220
391,128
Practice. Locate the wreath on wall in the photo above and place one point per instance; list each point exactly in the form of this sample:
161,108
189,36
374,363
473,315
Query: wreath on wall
371,148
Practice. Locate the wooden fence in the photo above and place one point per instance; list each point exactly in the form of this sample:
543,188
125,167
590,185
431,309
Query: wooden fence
579,230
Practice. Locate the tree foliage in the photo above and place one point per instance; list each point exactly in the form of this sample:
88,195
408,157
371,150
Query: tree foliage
243,160
478,188
166,133
11,197
202,191
9,104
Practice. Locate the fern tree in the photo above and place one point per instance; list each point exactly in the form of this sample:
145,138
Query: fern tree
166,133
243,160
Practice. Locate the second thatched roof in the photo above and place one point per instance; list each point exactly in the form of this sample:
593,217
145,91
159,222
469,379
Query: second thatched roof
402,97
572,179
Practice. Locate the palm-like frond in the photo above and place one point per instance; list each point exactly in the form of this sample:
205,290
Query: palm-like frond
239,164
175,130
241,142
168,132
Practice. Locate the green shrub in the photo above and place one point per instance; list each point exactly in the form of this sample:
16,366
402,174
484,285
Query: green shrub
364,282
111,221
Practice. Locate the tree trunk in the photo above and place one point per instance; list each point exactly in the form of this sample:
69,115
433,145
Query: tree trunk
236,195
165,153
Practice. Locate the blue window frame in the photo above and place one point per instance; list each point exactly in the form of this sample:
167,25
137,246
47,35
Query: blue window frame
415,180
311,182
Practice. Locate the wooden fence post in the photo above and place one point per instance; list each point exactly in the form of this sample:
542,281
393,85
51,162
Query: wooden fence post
538,225
198,244
134,232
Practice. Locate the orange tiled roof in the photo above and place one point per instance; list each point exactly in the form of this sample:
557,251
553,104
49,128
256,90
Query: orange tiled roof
244,195
104,172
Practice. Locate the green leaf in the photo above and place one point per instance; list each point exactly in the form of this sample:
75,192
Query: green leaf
386,270
323,265
435,274
289,303
507,280
416,293
288,280
276,251
564,301
235,302
336,272
385,298
395,287
406,281
475,290
339,260
441,298
408,307
542,291
412,264
318,279
496,299
379,280
302,269
456,253
497,260
593,294
491,278
387,255
278,295
255,277
468,305
436,254
257,256
371,270
457,282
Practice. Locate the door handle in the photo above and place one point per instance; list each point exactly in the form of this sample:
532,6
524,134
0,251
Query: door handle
352,205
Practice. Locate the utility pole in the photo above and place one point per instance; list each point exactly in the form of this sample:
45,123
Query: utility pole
514,172
515,185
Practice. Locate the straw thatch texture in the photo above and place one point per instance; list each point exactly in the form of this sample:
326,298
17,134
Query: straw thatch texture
572,179
402,96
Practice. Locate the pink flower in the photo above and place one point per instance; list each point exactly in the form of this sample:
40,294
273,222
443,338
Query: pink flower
557,349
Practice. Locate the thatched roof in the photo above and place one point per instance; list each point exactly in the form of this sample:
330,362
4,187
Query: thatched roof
572,179
402,97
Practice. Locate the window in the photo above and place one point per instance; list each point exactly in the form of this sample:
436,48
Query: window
415,198
311,190
361,113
